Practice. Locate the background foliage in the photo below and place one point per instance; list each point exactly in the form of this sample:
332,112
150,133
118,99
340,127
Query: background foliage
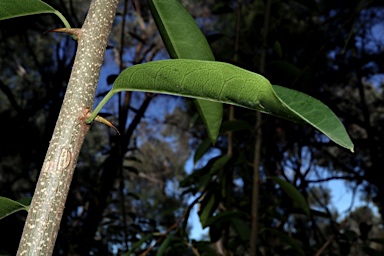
135,187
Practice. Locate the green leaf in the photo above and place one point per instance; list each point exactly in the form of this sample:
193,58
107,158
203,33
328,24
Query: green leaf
241,228
8,206
212,114
25,201
226,83
207,207
287,239
184,40
164,245
18,8
179,31
315,113
223,217
201,177
219,164
293,193
201,150
205,247
138,244
277,48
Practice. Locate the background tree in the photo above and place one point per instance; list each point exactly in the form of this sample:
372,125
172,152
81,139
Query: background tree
126,188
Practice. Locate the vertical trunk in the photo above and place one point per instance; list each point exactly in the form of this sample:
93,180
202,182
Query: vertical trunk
258,143
43,222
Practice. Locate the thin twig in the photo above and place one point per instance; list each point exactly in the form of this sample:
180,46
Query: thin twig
175,225
258,138
325,245
332,178
123,113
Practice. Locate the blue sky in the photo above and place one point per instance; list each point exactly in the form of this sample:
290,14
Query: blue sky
341,195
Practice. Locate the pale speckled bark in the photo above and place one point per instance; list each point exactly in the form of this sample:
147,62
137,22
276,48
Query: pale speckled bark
43,221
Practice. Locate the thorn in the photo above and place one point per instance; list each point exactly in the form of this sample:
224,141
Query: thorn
74,32
106,122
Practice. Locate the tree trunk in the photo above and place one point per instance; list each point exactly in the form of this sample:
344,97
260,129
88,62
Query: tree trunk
43,221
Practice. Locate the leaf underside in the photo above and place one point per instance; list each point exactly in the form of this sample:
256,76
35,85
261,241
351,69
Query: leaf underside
184,40
8,206
297,198
17,8
226,83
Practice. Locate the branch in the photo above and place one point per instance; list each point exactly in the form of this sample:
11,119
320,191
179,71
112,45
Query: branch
332,178
43,221
176,224
162,236
258,143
